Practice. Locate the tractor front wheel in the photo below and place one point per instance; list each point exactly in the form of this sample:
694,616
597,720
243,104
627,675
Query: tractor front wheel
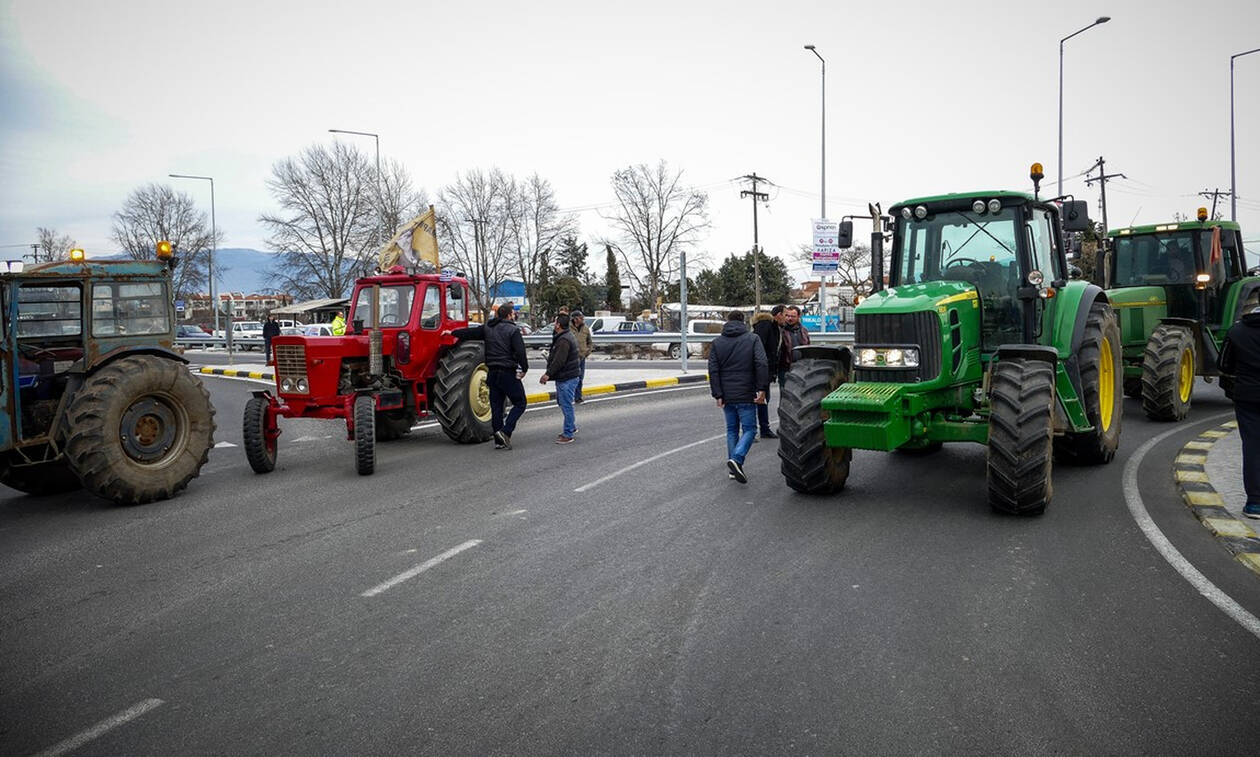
260,449
364,434
1168,373
1021,434
1102,377
139,430
807,463
461,397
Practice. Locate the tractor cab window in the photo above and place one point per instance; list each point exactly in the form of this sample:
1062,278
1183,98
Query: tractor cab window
1224,260
395,309
49,311
456,303
1044,252
431,311
1155,259
125,309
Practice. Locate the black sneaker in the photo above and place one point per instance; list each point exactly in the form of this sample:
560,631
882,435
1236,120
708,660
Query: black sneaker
768,434
502,440
737,471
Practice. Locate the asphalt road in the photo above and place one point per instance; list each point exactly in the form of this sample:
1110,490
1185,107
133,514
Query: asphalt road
468,601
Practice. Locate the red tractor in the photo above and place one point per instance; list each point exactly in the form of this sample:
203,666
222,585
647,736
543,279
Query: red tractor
393,366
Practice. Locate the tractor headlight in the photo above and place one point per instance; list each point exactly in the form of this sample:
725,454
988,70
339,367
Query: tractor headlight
888,357
286,385
1036,278
301,386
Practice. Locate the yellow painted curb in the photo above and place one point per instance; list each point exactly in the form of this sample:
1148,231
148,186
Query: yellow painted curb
1229,527
1250,559
1191,459
1214,434
1203,499
1205,446
1230,424
1191,476
661,382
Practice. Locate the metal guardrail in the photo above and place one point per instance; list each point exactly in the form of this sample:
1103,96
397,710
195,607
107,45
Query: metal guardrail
544,340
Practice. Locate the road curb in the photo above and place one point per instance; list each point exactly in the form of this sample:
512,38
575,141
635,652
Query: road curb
625,386
1206,503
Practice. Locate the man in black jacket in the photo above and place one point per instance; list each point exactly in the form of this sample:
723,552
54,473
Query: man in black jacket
564,367
270,329
737,372
505,366
1240,358
769,329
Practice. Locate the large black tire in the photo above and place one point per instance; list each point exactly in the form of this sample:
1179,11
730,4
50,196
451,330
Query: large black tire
460,397
1168,373
1021,433
38,479
139,430
393,424
259,450
1102,387
364,434
807,463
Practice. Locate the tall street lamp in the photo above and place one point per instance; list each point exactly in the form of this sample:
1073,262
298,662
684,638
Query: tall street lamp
214,241
822,213
1101,20
380,194
1233,175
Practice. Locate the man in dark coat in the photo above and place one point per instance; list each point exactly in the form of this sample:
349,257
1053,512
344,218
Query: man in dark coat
794,335
769,329
1240,358
564,367
270,328
738,371
505,366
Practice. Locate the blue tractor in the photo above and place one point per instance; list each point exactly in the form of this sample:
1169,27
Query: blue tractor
93,392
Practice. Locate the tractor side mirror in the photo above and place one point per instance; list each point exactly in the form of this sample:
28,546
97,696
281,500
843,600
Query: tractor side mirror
844,235
1075,215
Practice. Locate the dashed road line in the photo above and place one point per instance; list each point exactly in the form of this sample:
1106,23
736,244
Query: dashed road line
101,728
1201,583
1206,503
407,575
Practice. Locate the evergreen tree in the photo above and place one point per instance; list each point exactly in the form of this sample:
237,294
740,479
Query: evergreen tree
613,282
571,259
735,281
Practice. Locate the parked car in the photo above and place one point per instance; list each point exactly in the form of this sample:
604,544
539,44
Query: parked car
189,331
636,327
292,331
698,326
605,324
318,329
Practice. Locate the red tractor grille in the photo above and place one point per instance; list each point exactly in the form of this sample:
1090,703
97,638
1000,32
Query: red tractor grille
290,360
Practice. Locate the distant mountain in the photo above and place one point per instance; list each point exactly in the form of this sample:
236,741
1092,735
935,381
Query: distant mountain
244,270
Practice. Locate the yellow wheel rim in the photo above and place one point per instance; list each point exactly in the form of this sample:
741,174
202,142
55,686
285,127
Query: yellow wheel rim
479,393
1106,385
1185,379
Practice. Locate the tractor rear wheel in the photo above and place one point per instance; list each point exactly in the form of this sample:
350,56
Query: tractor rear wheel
393,424
1168,373
1102,375
37,479
139,430
460,396
364,434
1021,433
259,450
807,463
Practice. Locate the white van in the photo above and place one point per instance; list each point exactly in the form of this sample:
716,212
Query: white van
605,324
698,326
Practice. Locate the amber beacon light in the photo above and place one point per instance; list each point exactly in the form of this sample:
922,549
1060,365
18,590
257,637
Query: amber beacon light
164,250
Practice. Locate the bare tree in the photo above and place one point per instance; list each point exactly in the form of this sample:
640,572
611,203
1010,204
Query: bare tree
476,229
157,212
657,218
53,246
327,226
537,227
852,272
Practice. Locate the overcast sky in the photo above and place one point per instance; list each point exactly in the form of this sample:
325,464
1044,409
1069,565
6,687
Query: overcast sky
922,97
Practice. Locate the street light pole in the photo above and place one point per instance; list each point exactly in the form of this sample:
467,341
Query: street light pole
1101,20
822,280
214,241
380,193
1233,175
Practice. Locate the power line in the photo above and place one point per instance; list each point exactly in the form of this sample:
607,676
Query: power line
762,196
1102,179
1215,194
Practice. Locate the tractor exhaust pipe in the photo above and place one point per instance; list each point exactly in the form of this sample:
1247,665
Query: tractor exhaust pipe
376,365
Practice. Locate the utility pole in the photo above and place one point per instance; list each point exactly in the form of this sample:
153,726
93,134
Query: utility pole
763,197
1102,178
1215,194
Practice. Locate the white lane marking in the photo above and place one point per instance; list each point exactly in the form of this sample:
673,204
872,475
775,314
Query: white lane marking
98,730
221,445
551,404
1137,508
641,463
516,512
422,567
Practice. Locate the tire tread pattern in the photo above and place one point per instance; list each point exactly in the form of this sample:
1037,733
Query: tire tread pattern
1161,373
1096,447
806,462
1021,433
450,401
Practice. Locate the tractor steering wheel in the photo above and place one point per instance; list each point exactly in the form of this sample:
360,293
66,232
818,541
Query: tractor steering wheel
957,262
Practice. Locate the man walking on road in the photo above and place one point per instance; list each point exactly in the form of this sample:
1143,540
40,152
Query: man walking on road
1240,358
586,345
505,366
564,368
270,329
795,335
737,372
769,329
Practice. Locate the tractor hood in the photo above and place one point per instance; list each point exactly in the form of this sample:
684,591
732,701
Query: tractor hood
912,298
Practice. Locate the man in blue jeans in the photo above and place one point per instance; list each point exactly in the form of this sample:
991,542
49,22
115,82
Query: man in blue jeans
738,372
563,367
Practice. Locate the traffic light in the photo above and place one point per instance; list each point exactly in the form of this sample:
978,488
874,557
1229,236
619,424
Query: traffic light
165,250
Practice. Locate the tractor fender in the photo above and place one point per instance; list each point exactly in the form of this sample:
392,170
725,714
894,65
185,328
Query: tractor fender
90,362
1074,318
1246,289
1206,354
1028,352
825,352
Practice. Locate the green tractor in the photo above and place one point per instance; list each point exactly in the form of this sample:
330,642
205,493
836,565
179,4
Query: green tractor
92,392
984,334
1178,287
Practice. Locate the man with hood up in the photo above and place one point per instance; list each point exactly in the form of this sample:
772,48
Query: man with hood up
738,371
1240,358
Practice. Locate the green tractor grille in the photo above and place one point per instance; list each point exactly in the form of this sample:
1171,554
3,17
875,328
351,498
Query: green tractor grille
922,329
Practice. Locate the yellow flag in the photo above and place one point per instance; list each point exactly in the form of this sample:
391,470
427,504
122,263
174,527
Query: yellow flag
416,241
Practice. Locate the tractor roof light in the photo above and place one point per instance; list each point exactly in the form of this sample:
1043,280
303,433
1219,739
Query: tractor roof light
165,250
905,213
920,212
995,205
77,255
978,206
1035,173
1202,214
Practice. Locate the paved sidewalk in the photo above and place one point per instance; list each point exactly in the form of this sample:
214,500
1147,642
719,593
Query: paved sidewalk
1224,469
